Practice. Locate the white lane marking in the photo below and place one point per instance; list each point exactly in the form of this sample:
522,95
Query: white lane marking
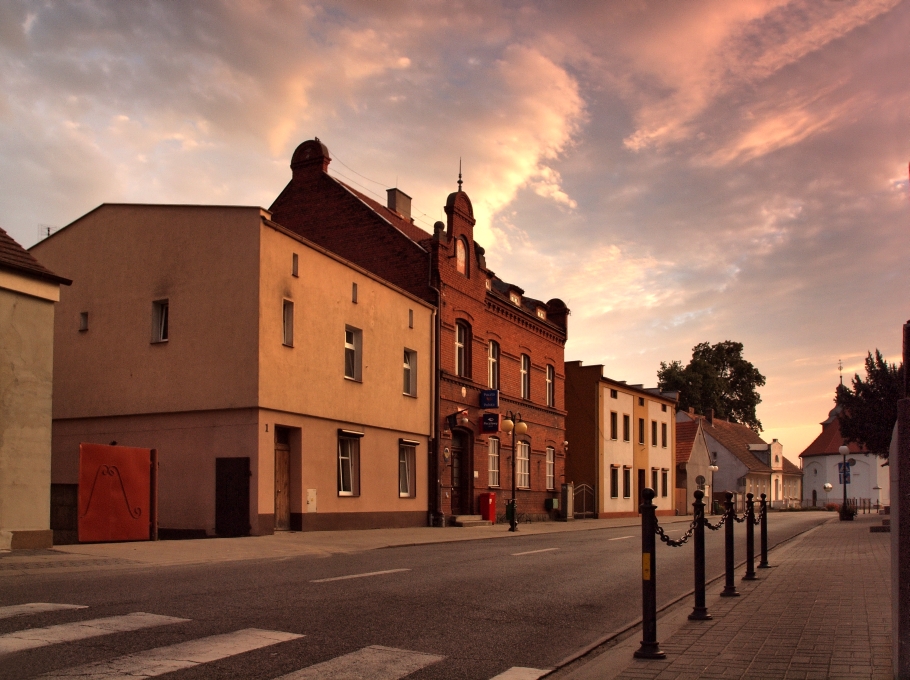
345,578
376,663
80,630
155,662
521,673
35,608
619,538
533,552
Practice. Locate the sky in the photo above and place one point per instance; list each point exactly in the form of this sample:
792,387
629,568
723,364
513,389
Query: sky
676,172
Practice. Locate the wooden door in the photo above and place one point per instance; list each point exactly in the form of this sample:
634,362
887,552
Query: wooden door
282,487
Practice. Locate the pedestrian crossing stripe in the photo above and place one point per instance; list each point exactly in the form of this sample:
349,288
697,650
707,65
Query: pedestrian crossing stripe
155,662
375,662
10,611
80,630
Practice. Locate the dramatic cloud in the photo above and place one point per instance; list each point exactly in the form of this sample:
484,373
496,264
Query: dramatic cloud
677,172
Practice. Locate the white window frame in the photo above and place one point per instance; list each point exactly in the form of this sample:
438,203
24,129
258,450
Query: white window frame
287,323
409,367
493,354
348,465
523,472
551,386
407,478
551,468
462,349
161,313
525,376
493,460
353,353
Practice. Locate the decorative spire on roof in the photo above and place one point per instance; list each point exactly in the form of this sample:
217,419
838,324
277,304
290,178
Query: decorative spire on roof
840,367
459,174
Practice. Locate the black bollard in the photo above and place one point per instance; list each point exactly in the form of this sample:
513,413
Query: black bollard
699,611
729,587
750,538
763,564
649,648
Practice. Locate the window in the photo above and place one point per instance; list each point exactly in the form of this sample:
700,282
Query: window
83,321
664,478
525,376
461,257
462,349
541,313
514,298
653,433
551,386
614,425
160,313
614,394
294,261
410,372
551,467
354,293
410,318
407,457
353,352
493,461
663,407
493,365
523,472
614,481
641,401
654,480
288,323
641,430
627,482
349,464
663,435
626,428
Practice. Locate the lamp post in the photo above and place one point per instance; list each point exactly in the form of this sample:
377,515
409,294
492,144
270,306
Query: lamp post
514,424
713,468
828,486
845,513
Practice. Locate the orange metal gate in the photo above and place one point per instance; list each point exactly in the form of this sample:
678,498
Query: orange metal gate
118,489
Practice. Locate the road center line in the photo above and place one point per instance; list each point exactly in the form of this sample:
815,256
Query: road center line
531,552
344,578
619,538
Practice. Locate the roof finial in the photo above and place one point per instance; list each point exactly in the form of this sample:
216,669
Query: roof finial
840,367
459,174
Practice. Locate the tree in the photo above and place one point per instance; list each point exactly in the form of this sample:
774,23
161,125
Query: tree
870,407
719,378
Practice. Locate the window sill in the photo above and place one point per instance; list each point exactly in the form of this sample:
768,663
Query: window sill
406,394
347,494
354,380
159,342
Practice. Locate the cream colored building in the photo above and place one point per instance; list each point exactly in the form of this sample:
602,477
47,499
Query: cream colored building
621,438
28,292
283,387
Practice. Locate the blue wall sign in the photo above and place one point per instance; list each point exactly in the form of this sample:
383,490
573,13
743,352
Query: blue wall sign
489,399
490,422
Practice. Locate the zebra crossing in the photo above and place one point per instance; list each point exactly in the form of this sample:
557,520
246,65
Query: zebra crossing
374,662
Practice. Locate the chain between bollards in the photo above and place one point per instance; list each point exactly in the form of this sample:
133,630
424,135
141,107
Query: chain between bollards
700,610
649,648
730,518
750,538
763,564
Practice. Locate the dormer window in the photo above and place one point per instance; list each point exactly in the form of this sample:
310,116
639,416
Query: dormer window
515,298
541,313
461,257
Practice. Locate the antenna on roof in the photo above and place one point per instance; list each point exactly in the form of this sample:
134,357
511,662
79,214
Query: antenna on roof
459,174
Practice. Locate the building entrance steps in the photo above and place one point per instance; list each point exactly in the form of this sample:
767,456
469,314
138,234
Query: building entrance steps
470,521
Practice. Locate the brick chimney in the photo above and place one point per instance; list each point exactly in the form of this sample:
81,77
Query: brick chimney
709,416
400,202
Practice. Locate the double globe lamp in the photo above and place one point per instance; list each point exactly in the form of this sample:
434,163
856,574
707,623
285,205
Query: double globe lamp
514,424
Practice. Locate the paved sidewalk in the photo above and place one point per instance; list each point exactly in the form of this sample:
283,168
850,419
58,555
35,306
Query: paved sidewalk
822,611
282,544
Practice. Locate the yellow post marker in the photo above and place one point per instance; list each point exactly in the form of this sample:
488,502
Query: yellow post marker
646,567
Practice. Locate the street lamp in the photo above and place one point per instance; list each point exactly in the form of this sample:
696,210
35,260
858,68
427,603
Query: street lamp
845,512
828,486
514,424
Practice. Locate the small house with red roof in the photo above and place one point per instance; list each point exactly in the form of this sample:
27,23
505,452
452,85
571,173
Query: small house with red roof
28,293
868,474
693,465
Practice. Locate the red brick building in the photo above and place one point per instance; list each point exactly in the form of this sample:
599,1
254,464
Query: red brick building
490,336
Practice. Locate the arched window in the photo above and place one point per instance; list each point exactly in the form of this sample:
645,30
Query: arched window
461,257
462,349
493,365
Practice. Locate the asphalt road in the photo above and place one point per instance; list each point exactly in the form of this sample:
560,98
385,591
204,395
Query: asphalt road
484,606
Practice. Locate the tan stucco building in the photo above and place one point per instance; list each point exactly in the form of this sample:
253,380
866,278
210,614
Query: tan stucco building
28,293
622,439
283,387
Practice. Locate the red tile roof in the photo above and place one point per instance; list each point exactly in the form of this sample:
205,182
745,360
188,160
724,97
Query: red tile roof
736,438
15,257
830,439
686,433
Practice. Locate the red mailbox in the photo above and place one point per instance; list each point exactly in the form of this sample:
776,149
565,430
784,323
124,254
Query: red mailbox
487,503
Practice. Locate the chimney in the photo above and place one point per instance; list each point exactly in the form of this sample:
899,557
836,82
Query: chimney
709,416
691,410
400,202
